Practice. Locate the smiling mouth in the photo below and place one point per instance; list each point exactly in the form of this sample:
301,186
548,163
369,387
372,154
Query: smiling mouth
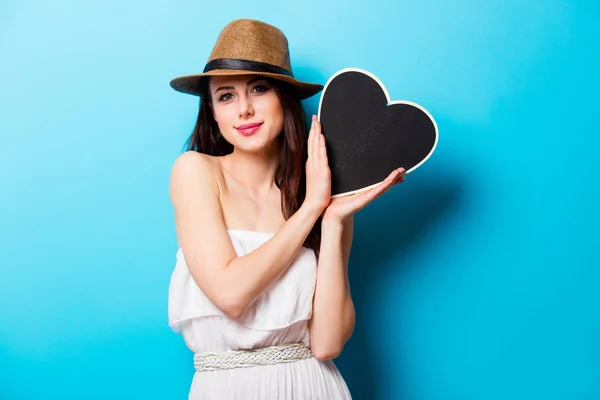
248,129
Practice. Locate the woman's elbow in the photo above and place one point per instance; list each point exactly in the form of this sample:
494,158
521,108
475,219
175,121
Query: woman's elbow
232,312
233,308
325,353
231,304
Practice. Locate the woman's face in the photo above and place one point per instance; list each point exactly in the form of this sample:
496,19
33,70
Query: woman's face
247,110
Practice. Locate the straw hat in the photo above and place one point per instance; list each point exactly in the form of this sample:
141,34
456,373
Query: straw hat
244,47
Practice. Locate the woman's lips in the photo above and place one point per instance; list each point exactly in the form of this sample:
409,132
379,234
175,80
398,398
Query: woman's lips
249,129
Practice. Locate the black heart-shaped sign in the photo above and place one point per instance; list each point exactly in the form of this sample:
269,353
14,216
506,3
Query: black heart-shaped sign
367,135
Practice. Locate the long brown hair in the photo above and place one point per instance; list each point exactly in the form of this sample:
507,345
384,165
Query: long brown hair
290,175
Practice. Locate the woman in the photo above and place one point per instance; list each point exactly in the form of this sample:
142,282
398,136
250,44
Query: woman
260,290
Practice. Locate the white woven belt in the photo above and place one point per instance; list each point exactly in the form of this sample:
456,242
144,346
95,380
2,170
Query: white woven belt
251,357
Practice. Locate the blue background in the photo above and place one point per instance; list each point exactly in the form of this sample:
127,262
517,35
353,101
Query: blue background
477,278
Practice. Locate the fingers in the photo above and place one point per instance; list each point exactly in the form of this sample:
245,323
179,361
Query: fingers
393,178
311,140
400,177
321,145
396,177
360,200
317,151
315,143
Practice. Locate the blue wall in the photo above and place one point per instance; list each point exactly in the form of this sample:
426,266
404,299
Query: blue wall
476,279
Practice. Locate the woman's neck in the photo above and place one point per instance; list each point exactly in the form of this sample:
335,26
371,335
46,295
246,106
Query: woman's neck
254,170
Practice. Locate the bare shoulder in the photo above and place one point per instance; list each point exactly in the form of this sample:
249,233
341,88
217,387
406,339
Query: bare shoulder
199,222
195,195
192,168
193,161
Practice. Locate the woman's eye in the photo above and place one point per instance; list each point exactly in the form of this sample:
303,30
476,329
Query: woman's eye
260,88
225,97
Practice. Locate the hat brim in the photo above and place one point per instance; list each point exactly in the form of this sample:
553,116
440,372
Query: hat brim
191,84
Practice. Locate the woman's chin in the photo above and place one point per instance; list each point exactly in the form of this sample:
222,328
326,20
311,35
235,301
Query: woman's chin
254,144
249,146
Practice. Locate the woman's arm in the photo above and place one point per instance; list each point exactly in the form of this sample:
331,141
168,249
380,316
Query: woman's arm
232,283
333,317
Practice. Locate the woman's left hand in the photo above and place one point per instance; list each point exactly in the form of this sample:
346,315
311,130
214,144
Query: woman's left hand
341,207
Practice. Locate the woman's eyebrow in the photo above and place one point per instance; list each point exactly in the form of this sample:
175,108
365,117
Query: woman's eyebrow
223,88
250,82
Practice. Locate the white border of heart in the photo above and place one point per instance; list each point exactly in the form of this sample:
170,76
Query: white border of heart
389,103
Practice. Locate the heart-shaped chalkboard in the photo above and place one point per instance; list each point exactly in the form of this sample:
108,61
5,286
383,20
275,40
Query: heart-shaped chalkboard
367,135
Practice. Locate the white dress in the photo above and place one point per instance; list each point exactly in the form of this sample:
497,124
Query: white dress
280,316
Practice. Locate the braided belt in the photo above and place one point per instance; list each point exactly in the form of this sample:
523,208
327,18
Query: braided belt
252,357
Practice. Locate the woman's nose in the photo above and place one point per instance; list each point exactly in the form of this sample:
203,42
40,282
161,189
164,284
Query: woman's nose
245,107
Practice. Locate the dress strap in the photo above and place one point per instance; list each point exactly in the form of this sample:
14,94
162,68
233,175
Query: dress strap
251,357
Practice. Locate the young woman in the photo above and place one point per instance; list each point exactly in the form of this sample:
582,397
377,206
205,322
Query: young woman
260,289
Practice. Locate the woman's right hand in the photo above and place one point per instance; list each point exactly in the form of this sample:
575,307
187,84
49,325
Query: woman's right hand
318,174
